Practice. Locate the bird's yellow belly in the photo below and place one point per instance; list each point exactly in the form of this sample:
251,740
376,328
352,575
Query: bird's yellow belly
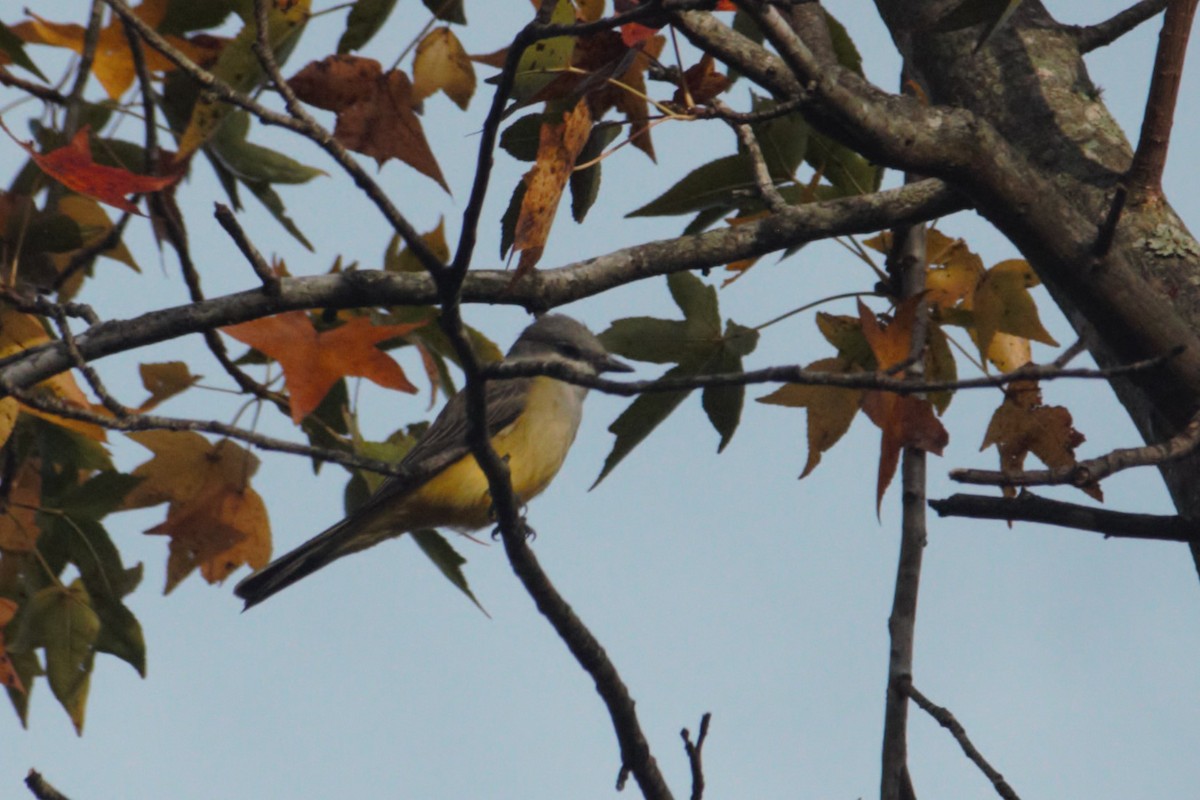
534,446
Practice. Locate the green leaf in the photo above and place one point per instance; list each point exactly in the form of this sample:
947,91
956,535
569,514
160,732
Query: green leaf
28,667
508,222
697,346
657,341
585,183
364,21
252,163
723,404
715,185
101,495
704,220
267,196
447,560
544,60
783,140
990,13
698,302
638,420
520,140
121,634
66,626
843,46
12,46
447,10
184,16
846,170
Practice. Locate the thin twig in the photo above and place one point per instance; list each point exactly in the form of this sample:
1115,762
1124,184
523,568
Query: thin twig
89,372
527,368
947,721
43,93
695,753
1144,179
84,257
1086,473
50,404
758,163
1028,507
83,70
1092,37
259,264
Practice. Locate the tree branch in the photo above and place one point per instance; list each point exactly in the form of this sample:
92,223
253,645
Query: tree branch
40,788
1102,34
947,721
907,262
1144,179
1028,507
695,754
1093,470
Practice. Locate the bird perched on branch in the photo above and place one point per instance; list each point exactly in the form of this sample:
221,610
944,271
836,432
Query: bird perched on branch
532,423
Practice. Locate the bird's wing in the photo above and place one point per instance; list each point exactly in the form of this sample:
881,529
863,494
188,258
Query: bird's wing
446,440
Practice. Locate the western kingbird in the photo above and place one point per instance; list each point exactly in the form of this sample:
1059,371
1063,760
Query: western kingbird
532,423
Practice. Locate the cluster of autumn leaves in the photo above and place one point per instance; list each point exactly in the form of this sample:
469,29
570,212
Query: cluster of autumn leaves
58,481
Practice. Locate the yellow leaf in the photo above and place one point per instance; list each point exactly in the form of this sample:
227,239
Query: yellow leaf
1002,303
442,64
830,409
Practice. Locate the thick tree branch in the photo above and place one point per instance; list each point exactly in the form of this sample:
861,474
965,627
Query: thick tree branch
1102,34
1028,507
1094,469
41,788
1144,179
948,721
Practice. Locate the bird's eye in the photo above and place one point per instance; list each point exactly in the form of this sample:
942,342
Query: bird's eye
571,351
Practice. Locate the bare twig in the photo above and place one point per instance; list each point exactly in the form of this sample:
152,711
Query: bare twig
1144,179
41,789
947,721
908,263
1028,507
89,373
50,404
695,754
43,93
1088,472
762,174
1092,37
797,374
259,264
83,69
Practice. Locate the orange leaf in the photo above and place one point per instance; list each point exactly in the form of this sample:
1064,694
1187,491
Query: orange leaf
184,464
18,519
830,409
905,421
1022,425
892,344
8,673
703,83
113,61
313,362
559,144
218,531
72,166
375,111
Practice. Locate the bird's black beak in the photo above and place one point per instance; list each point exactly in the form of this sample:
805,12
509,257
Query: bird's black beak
610,363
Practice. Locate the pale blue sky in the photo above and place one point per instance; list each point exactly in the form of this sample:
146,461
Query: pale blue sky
716,583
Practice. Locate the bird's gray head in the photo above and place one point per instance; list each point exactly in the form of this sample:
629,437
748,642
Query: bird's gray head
555,335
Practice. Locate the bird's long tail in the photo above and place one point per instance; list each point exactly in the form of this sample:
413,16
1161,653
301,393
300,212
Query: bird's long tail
306,559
